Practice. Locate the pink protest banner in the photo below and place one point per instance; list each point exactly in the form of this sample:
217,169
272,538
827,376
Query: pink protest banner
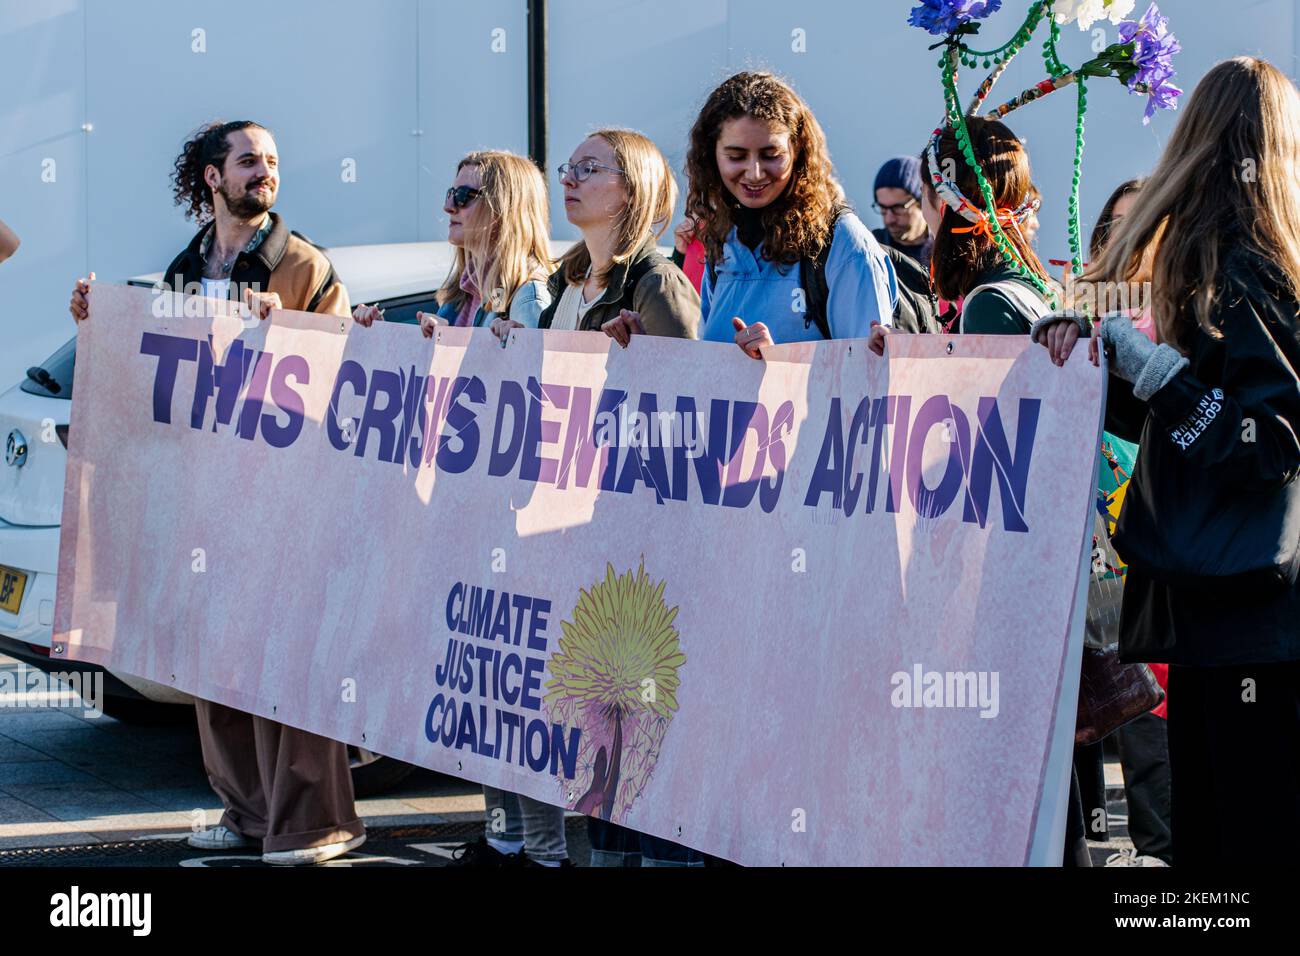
822,609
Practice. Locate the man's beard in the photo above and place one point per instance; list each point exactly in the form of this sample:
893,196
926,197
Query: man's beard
899,234
249,204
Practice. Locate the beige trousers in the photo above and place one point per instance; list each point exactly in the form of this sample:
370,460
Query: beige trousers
286,787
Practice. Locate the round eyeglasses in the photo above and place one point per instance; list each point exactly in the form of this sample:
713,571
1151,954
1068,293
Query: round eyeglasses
582,171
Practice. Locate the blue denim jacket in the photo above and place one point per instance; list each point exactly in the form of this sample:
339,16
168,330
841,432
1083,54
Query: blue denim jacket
526,307
859,276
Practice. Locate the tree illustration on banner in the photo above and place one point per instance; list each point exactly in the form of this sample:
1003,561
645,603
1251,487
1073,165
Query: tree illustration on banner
614,674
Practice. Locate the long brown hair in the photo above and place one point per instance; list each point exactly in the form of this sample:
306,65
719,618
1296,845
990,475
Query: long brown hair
1226,180
651,194
959,259
797,222
514,194
1101,232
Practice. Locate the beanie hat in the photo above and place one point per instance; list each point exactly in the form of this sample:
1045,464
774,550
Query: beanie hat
901,172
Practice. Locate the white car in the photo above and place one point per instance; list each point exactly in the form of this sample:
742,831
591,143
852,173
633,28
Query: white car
401,278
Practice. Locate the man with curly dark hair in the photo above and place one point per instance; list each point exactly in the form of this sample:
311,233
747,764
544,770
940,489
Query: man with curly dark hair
283,788
227,177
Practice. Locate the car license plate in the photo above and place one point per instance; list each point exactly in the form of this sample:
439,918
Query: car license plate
12,583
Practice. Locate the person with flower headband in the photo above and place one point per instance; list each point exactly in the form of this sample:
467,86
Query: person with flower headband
1001,297
1003,294
966,152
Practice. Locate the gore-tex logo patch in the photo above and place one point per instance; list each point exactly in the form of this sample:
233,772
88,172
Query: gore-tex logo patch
1195,424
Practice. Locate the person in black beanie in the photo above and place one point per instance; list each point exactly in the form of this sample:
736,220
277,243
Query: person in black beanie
898,200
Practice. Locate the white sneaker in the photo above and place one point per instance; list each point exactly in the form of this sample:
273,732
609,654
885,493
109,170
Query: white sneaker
218,838
1131,857
313,854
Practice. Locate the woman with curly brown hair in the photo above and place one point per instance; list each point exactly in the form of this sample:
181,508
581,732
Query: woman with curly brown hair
787,260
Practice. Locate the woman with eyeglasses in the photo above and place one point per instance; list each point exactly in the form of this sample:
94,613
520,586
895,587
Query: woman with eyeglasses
619,192
499,214
775,223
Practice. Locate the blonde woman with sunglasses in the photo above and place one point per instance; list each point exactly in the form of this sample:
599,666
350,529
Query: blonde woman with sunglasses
498,223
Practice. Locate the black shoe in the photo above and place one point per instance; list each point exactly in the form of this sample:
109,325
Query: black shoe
525,861
482,853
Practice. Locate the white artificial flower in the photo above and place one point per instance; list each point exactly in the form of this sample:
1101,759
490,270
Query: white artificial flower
1088,12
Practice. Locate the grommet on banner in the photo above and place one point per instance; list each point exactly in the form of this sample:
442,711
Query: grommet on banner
950,346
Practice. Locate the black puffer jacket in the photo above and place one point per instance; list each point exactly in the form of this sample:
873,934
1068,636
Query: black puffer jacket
1210,525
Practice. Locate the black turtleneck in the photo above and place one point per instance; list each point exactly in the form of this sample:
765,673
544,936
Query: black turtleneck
749,226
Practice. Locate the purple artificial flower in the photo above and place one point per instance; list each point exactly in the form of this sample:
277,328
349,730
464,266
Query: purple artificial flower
941,17
1153,51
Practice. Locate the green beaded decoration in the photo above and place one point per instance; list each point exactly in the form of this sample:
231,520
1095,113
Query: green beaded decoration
1018,40
1051,58
959,53
1076,246
957,119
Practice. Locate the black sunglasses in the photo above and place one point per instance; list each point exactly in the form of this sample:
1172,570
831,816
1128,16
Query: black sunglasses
462,196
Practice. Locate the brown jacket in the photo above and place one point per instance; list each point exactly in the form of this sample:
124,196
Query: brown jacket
284,263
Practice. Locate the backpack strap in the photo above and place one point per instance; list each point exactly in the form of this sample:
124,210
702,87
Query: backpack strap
1019,294
916,309
816,288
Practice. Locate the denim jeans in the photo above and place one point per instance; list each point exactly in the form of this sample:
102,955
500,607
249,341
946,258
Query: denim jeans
514,817
613,845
